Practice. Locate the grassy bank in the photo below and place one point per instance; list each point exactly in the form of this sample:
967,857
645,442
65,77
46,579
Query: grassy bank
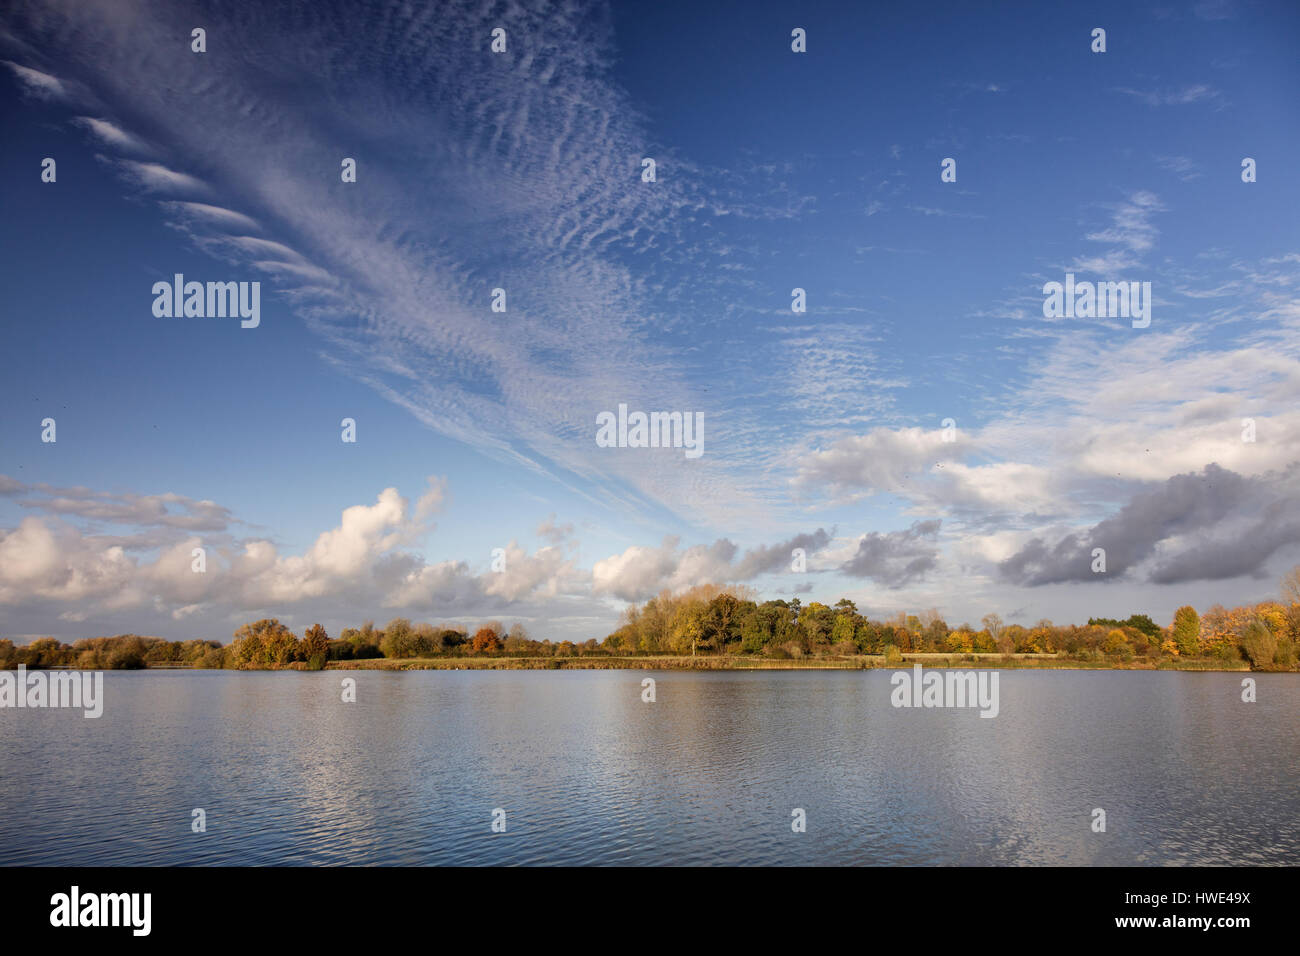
738,663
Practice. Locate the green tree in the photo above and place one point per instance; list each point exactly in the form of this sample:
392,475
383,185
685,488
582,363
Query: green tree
315,647
398,639
262,644
1187,631
1258,643
721,621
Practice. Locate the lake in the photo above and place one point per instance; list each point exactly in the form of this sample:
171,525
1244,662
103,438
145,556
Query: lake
587,773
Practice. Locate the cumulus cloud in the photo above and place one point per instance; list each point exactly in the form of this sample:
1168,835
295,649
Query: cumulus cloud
431,502
640,572
364,559
545,572
54,562
1215,524
766,559
895,558
548,530
881,460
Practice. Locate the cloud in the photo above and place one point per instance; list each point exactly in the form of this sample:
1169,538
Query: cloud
163,510
1131,229
640,572
546,572
527,178
37,84
155,177
362,559
895,558
109,134
197,212
1196,93
431,502
933,211
881,460
1181,166
548,530
778,557
1191,514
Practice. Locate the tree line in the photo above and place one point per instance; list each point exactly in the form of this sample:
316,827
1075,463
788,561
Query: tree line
709,619
268,643
714,620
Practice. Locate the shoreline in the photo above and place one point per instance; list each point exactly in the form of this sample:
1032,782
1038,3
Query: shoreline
688,663
865,662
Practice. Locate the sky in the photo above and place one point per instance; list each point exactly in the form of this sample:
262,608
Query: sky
922,429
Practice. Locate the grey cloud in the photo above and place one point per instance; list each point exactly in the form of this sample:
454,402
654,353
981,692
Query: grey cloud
768,558
165,510
1239,523
896,558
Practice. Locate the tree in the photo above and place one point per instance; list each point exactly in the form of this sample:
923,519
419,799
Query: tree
517,641
1258,643
688,625
485,641
1291,586
1187,630
844,628
1116,643
262,644
816,621
721,620
398,639
315,647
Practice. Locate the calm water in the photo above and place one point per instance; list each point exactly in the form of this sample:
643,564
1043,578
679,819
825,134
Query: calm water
587,773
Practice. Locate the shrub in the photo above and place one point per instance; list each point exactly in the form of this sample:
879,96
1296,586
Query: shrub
1258,643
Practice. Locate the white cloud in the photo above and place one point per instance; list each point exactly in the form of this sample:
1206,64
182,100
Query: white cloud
38,84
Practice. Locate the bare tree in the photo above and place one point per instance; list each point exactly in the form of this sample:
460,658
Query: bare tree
1291,585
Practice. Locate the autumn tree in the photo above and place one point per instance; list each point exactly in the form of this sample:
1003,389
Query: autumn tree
262,644
1117,644
398,639
315,647
1258,643
1187,630
485,641
721,620
1291,586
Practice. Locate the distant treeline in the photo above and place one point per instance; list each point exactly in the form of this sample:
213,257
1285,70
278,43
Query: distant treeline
726,621
269,644
721,621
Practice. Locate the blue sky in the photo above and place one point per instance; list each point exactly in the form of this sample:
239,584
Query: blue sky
521,170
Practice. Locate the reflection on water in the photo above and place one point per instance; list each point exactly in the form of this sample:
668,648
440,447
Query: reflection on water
709,774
